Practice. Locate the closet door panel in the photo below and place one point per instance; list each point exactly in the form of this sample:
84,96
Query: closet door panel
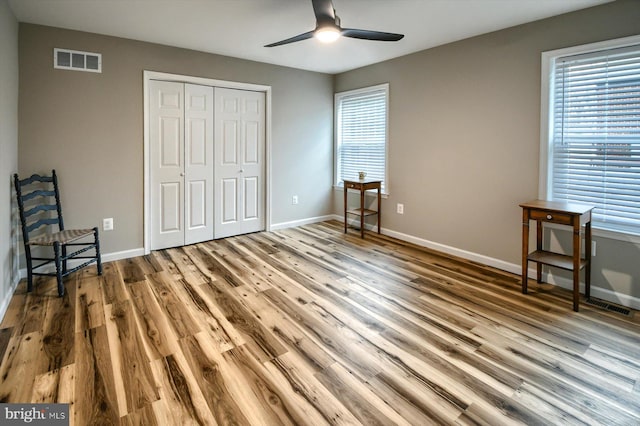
240,161
166,126
198,168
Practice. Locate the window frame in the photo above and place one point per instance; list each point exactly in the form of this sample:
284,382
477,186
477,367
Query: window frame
338,96
546,121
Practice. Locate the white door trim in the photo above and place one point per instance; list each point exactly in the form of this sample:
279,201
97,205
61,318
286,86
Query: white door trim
154,75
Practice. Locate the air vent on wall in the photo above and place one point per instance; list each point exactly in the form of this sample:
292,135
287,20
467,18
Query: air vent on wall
78,61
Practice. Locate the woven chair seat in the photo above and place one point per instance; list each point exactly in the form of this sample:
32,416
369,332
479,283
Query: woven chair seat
62,237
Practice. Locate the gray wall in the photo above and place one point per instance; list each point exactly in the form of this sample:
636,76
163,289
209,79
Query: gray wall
464,137
89,127
8,146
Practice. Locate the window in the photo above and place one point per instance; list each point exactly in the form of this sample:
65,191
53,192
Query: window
592,146
361,134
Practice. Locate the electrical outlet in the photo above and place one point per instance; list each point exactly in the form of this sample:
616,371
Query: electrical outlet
294,199
593,248
107,224
400,208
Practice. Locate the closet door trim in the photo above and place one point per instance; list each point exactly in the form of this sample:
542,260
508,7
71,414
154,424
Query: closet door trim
154,75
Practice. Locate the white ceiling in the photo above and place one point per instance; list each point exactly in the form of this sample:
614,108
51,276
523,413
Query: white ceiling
241,28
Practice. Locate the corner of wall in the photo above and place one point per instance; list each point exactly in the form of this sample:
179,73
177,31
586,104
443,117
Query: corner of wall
9,79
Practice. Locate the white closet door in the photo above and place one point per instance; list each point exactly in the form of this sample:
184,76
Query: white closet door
166,126
239,162
198,163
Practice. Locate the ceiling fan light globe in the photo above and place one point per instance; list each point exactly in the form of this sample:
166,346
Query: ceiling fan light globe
327,34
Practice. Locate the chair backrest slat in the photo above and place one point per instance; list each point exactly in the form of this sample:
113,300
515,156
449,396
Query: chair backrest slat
41,208
37,224
35,178
38,193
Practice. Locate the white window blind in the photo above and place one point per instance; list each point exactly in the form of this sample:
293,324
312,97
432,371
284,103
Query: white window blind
595,141
361,134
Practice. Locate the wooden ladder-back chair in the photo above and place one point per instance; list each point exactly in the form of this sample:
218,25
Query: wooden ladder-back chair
39,205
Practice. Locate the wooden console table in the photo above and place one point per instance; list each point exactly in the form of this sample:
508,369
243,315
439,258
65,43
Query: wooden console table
574,215
362,186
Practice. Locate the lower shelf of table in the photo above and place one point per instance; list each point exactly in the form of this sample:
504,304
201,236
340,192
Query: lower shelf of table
366,212
554,259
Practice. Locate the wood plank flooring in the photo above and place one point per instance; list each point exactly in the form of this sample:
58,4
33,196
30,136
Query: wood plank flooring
311,326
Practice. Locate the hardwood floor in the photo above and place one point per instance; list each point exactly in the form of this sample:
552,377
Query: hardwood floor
311,326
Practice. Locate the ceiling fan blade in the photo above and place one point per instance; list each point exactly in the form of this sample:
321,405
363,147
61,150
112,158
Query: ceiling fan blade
370,35
299,37
324,11
326,19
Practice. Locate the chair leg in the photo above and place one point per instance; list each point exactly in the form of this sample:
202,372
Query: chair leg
64,260
98,258
56,253
29,268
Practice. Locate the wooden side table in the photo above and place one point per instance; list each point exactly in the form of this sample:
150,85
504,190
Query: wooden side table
573,215
362,186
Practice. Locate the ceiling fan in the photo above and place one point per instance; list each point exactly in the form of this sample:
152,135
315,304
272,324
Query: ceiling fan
328,28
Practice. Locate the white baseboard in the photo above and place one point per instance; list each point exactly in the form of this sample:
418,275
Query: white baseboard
294,223
4,304
475,257
125,254
514,268
485,260
106,257
597,292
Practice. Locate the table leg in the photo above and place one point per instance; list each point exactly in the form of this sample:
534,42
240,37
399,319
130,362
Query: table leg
362,213
345,208
539,237
587,256
379,209
576,264
525,250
